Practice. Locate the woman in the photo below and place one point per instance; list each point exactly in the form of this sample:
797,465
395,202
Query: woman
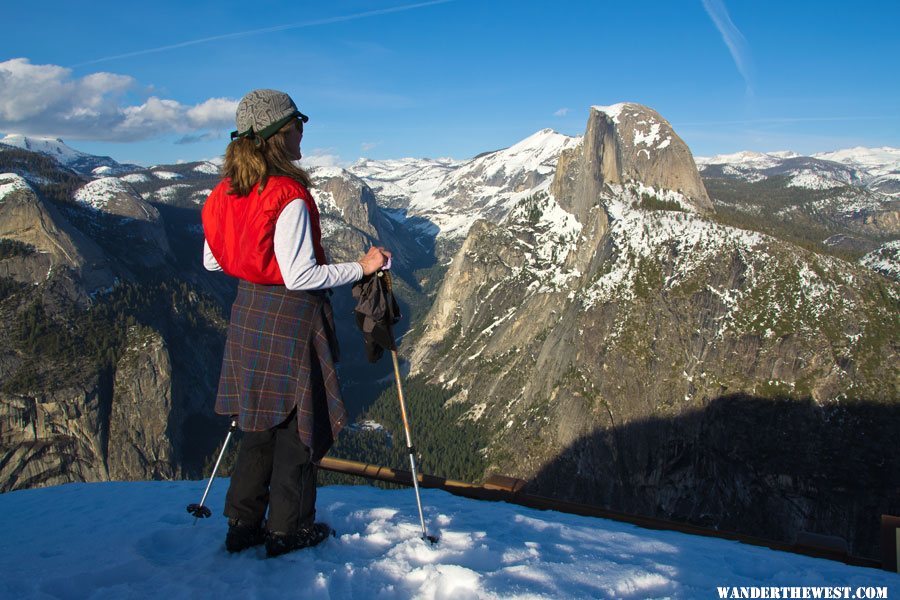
261,225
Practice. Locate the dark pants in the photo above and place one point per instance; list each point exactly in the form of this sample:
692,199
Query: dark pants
273,469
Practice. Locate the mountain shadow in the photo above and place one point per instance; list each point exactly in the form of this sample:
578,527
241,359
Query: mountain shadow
767,467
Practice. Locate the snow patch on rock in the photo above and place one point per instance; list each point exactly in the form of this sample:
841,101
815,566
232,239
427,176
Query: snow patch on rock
10,182
885,260
98,194
166,175
207,168
135,178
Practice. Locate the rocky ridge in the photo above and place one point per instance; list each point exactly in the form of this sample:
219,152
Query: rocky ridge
55,244
80,162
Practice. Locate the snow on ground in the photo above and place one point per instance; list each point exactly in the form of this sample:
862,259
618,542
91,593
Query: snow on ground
888,184
135,178
103,171
100,192
166,175
877,161
885,259
555,233
10,182
168,193
850,203
643,234
746,158
135,540
367,425
200,196
813,180
207,168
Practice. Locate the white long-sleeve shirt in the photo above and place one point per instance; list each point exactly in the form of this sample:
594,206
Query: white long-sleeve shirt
296,254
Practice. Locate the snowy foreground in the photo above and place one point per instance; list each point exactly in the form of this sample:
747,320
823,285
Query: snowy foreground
135,540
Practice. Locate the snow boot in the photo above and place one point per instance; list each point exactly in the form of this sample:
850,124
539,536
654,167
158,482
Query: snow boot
278,543
242,535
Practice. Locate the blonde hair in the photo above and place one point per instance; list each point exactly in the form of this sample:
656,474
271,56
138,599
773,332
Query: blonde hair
251,161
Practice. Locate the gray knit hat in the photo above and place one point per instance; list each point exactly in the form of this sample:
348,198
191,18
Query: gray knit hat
261,113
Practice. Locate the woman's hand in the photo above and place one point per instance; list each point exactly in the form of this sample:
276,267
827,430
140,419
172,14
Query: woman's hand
374,260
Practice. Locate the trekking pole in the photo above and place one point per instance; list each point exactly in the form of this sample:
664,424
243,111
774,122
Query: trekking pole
198,510
412,459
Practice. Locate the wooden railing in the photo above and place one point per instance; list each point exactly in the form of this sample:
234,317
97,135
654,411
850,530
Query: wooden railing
498,488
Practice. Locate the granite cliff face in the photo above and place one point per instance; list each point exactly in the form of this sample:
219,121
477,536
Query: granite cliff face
144,422
139,222
601,330
89,390
627,144
55,244
352,221
110,427
53,437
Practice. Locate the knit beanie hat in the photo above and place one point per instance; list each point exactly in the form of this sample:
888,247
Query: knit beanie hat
261,113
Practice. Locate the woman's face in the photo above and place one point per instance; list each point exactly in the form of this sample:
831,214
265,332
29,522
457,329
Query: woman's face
293,136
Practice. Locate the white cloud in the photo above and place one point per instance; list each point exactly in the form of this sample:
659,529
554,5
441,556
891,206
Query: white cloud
733,38
366,146
321,157
213,113
561,112
47,100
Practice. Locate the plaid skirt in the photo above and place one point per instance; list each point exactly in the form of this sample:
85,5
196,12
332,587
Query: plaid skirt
279,355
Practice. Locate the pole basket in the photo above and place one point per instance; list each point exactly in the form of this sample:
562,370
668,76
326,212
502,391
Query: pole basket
199,511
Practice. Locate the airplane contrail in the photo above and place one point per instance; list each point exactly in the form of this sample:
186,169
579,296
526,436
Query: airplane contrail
733,38
238,34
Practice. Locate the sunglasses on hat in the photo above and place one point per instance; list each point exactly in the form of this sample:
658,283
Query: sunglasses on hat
270,130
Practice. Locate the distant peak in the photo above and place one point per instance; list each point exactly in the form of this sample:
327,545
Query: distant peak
540,138
45,145
329,171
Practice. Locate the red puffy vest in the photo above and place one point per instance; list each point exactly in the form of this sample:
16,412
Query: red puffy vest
240,230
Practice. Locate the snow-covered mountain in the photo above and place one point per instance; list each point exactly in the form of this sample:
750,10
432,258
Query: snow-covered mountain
81,162
876,161
452,195
135,540
877,169
398,182
54,147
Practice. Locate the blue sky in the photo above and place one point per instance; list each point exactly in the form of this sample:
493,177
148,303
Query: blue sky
388,79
